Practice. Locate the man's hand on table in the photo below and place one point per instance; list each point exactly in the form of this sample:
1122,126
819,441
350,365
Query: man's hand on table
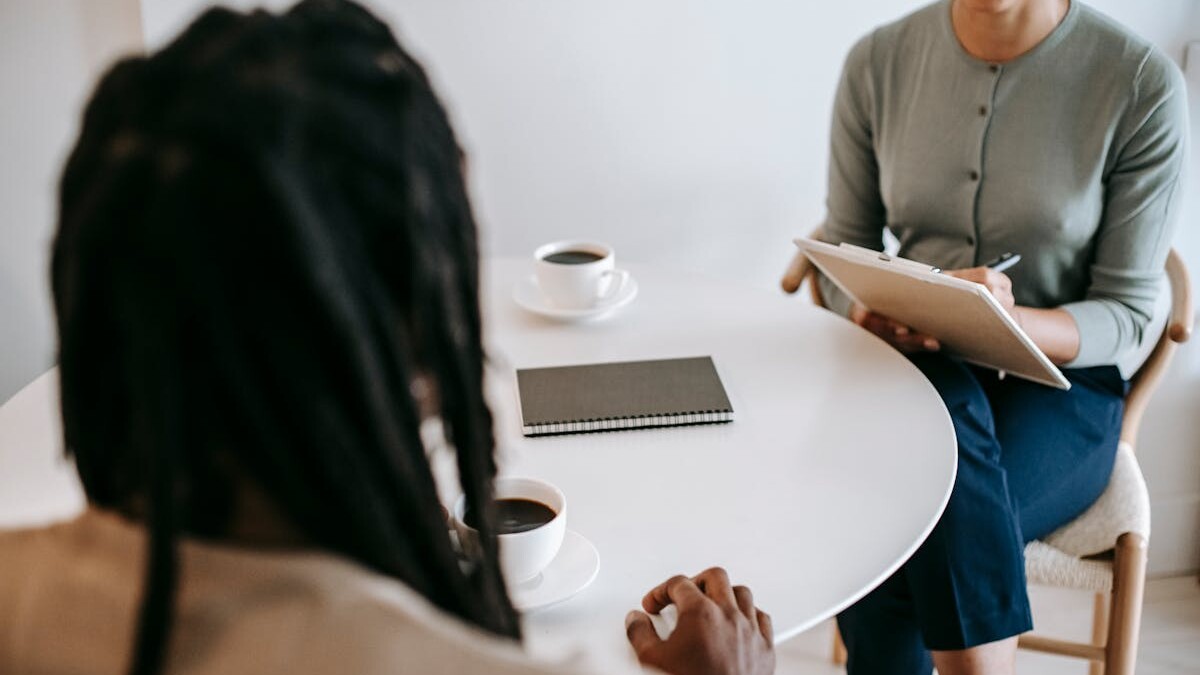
719,631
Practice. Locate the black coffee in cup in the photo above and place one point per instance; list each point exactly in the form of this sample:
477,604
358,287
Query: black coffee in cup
516,515
573,257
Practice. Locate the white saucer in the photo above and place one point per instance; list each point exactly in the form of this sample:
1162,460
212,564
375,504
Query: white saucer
572,570
527,294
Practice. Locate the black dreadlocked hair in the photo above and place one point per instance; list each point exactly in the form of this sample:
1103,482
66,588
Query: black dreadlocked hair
264,240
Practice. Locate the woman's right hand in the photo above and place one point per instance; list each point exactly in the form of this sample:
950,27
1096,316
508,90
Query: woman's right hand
903,338
719,631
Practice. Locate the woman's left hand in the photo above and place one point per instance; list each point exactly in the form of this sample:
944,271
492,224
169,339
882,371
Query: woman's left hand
997,283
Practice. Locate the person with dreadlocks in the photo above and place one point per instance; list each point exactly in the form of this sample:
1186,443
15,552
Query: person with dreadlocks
265,272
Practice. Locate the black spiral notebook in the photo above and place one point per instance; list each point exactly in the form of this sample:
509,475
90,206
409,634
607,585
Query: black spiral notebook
625,395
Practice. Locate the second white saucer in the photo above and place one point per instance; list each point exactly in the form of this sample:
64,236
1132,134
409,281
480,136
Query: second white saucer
527,294
572,570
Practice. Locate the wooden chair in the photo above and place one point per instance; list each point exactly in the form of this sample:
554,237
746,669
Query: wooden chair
1103,550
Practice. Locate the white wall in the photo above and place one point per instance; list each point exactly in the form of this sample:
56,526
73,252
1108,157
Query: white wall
689,133
51,52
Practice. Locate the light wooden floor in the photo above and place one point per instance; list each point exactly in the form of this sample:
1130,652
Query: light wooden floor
1170,642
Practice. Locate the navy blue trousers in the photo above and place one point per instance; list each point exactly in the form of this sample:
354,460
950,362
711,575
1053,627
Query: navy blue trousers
1030,459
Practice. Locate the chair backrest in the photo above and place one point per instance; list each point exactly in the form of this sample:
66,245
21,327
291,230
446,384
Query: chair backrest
1177,331
1147,378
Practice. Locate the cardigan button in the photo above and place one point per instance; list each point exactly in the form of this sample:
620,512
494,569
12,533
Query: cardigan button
974,175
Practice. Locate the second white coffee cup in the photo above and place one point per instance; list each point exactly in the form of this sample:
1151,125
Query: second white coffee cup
523,555
578,274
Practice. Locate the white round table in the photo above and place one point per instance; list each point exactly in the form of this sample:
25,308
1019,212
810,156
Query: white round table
38,484
839,462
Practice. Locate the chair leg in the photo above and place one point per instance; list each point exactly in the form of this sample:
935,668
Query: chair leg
839,648
1099,629
1125,618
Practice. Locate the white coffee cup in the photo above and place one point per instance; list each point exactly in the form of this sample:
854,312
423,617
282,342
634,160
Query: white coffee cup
578,274
523,555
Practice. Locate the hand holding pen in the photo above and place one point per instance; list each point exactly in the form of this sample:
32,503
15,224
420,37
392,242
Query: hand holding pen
1003,261
992,276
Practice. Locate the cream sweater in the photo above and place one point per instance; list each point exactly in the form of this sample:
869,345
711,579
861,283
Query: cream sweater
69,595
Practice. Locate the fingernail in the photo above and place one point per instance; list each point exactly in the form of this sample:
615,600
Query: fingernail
901,330
630,618
931,344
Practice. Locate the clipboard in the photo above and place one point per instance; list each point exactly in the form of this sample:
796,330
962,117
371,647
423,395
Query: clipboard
964,316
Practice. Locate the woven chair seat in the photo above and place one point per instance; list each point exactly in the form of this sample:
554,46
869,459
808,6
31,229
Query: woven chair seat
1064,559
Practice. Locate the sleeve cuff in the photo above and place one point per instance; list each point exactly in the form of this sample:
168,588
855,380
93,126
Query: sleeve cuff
1098,343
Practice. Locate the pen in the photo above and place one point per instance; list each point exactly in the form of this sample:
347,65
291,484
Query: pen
1003,262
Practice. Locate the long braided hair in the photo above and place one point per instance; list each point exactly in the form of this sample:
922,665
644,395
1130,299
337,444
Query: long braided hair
264,241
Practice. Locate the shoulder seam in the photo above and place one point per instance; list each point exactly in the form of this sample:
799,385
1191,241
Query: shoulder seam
1126,116
1137,76
872,86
